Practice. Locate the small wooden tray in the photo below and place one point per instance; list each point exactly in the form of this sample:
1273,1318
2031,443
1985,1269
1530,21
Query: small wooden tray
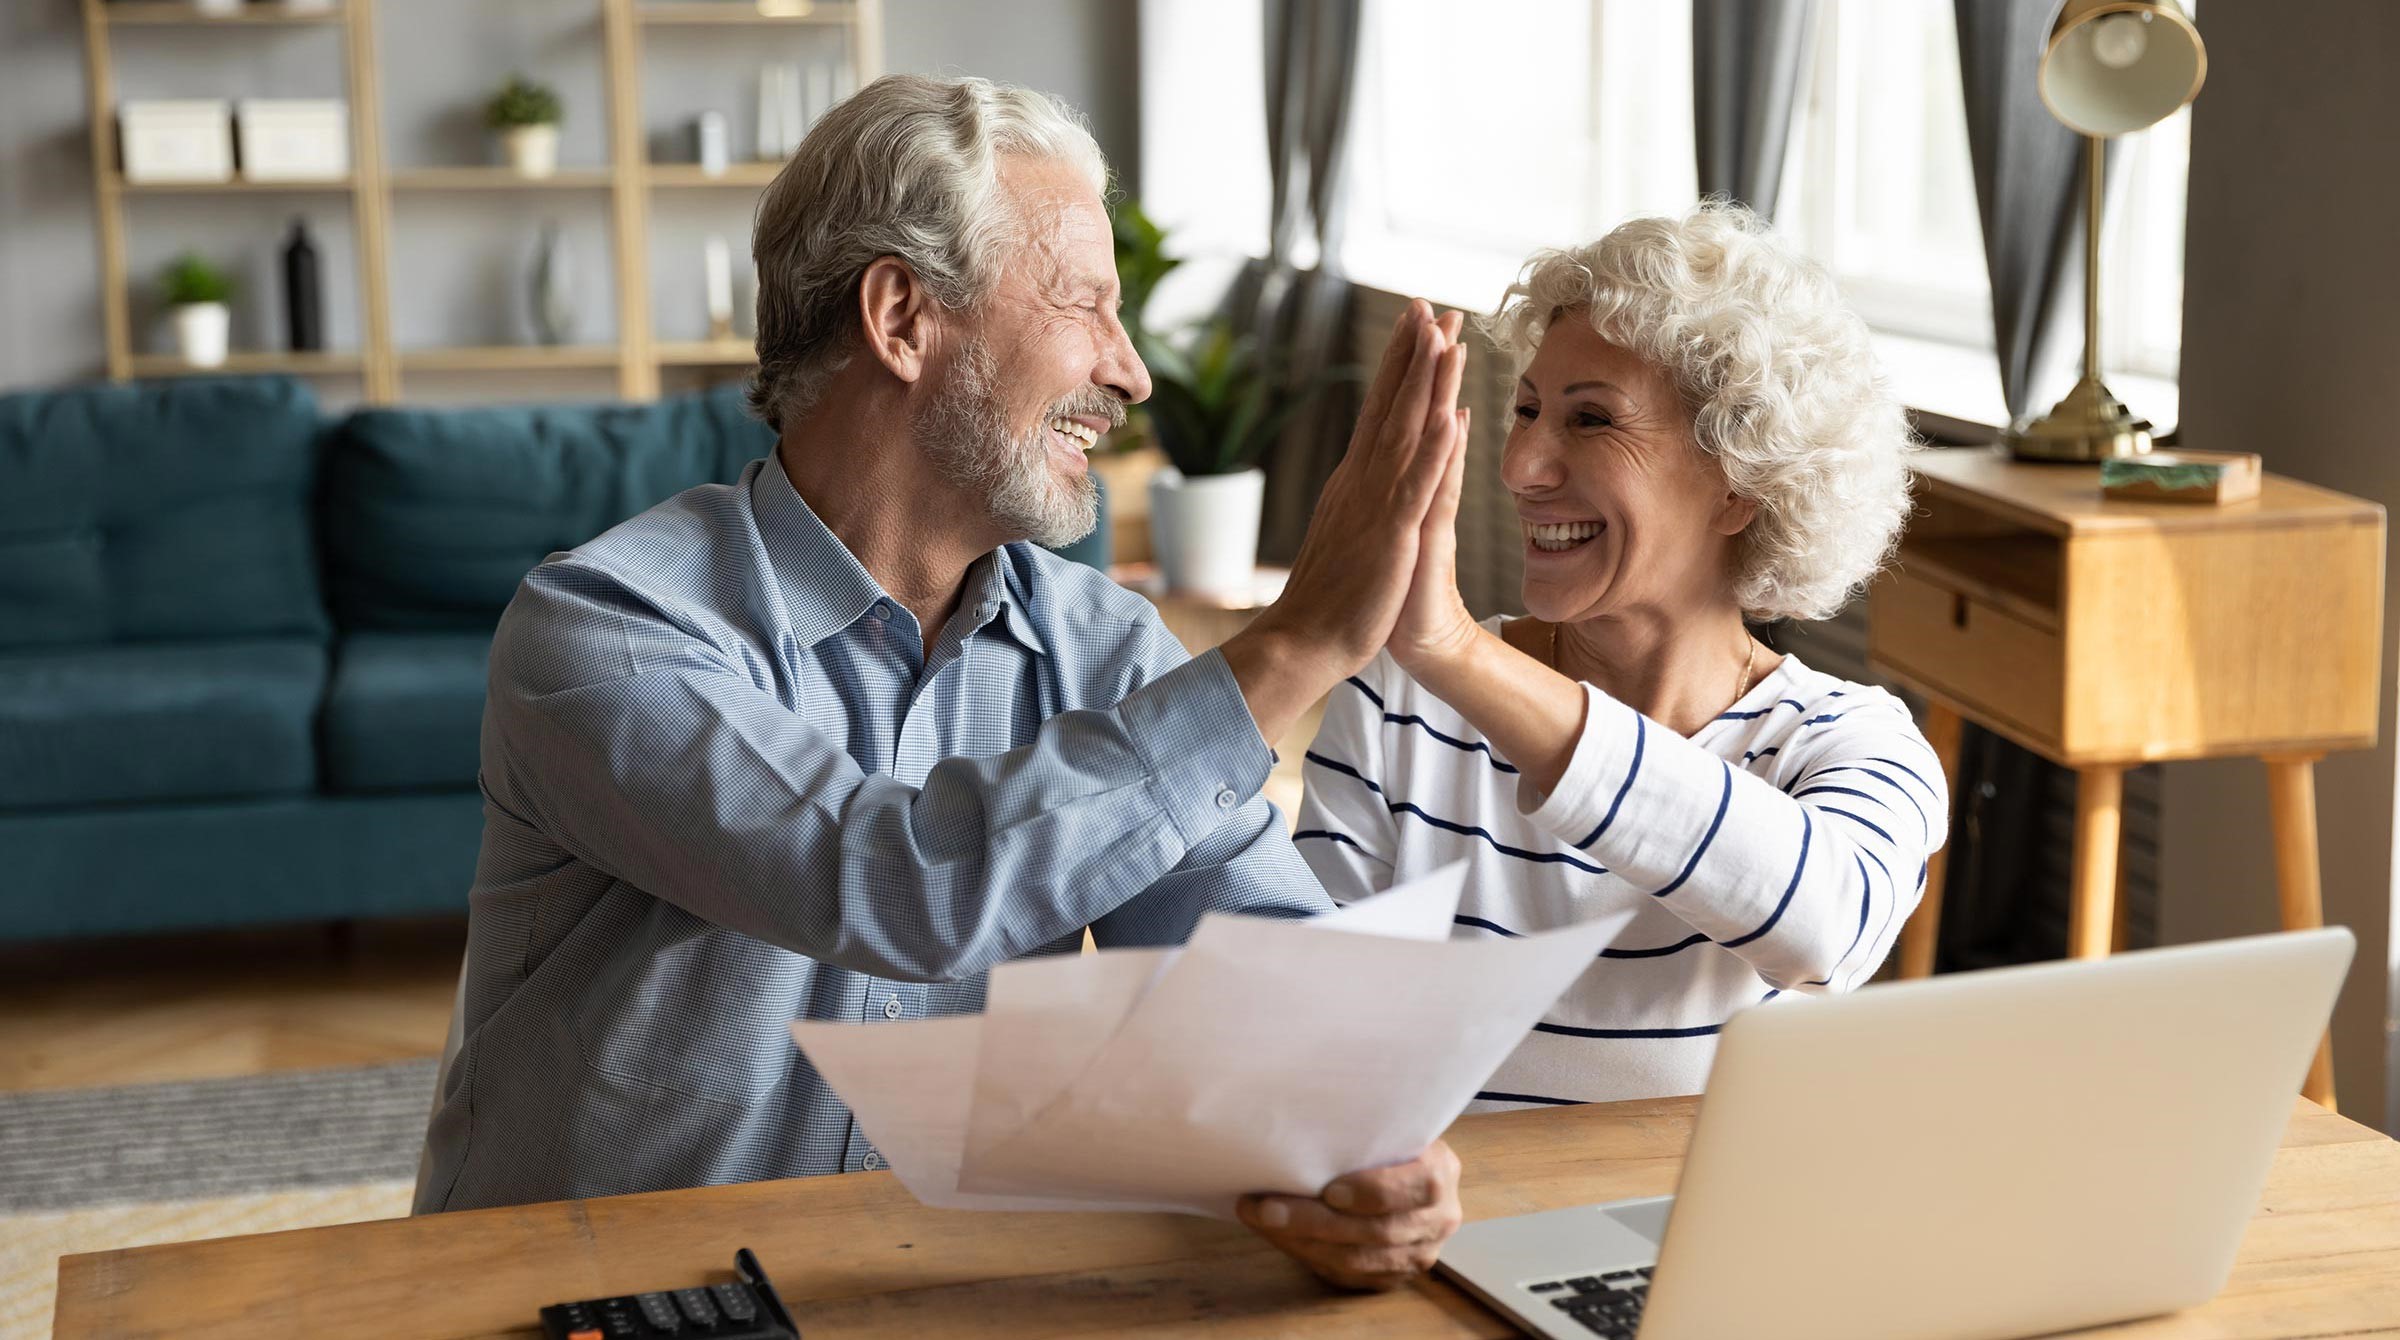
2207,477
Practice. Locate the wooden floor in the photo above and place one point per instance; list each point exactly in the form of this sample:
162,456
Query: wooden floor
83,1014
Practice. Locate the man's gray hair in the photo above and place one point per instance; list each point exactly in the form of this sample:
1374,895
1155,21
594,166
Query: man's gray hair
907,168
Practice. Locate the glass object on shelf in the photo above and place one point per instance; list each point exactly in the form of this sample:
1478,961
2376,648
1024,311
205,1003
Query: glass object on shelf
553,294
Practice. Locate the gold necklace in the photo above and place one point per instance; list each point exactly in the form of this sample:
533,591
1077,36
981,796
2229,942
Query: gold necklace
1749,659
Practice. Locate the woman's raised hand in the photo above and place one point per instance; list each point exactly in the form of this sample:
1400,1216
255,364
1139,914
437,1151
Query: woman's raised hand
1433,620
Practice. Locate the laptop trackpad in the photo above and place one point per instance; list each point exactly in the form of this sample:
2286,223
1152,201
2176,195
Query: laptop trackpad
1646,1217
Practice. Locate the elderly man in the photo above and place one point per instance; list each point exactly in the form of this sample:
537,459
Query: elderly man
829,742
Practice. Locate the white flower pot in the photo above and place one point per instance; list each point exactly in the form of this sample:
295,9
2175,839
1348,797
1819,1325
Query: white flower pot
200,331
532,150
1204,530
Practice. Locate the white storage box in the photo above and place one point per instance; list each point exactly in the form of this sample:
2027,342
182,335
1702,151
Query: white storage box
293,139
176,139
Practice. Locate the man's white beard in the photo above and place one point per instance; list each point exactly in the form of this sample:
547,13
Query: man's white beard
964,432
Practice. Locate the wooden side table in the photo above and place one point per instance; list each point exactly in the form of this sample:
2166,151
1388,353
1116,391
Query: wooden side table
2102,634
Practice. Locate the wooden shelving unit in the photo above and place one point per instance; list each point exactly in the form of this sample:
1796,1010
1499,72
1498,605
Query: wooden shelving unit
705,353
159,11
751,176
689,12
326,186
500,179
327,363
509,358
627,178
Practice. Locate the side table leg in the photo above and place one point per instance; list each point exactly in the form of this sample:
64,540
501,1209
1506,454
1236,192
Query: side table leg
2099,821
2292,807
1919,937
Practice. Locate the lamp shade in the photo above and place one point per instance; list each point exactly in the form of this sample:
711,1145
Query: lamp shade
2115,66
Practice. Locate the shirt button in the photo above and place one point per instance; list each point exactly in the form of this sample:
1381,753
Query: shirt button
891,1008
883,611
872,1161
1226,799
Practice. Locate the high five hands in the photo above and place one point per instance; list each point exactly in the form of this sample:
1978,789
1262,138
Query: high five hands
1384,527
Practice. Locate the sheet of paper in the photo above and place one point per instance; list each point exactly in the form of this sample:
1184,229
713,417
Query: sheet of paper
1264,1056
909,1086
1421,909
1044,1021
1270,1058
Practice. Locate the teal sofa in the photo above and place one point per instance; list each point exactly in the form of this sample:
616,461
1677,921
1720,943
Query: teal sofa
242,646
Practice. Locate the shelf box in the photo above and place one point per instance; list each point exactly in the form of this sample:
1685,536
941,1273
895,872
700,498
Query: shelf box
292,139
176,140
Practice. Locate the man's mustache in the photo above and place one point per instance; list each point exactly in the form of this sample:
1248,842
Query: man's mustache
1093,401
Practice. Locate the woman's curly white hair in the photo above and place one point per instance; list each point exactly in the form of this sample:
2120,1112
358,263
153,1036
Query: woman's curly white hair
1777,374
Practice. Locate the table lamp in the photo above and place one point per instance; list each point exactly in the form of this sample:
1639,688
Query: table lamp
2112,66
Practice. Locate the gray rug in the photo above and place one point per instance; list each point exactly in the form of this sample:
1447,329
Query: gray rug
205,1138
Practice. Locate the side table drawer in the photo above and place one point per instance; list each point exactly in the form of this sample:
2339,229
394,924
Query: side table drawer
1967,648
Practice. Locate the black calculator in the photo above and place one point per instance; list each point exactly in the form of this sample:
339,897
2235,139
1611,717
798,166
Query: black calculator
746,1309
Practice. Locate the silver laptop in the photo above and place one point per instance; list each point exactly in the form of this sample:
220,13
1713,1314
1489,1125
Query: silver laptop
1990,1154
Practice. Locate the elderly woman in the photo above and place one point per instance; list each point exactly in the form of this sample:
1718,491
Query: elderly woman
1698,441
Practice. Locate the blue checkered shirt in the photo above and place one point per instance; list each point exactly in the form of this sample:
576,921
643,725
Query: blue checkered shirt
726,788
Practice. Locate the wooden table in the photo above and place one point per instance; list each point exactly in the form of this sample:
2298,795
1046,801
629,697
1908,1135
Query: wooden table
856,1255
2102,633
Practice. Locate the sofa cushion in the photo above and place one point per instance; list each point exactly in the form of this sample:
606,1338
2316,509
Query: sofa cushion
432,516
405,711
158,511
164,721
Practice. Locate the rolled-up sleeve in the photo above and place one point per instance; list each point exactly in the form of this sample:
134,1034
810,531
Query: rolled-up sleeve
656,756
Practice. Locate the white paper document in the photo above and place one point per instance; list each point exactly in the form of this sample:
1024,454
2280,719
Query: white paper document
1265,1055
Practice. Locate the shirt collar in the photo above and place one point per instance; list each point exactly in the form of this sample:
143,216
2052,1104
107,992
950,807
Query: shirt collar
826,589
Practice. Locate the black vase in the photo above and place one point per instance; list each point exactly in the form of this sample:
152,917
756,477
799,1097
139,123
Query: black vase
303,291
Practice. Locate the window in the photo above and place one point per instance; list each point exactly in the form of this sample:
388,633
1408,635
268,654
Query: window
1485,132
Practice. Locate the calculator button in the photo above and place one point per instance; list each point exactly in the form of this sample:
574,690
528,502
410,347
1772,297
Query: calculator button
660,1310
697,1305
736,1301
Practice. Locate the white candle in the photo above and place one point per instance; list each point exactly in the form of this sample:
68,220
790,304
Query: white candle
720,286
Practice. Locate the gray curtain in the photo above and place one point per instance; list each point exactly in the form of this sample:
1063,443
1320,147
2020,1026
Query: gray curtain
1302,318
1749,60
2012,812
2029,190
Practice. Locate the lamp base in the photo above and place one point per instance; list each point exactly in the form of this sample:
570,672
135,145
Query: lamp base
2090,424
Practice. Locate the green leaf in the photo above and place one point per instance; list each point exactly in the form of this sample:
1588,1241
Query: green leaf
189,279
522,102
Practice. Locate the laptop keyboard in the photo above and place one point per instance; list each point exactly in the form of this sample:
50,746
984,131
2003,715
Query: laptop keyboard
1607,1305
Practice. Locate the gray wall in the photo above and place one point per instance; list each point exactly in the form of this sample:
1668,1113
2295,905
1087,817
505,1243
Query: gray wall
457,258
2291,332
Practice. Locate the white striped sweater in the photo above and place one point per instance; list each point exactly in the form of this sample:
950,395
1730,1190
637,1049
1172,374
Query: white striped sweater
1777,850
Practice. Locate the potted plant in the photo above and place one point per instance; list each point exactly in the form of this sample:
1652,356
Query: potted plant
526,115
1215,410
1142,261
196,292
